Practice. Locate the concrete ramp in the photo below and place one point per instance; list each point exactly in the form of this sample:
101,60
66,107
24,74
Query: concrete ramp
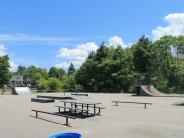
149,90
21,91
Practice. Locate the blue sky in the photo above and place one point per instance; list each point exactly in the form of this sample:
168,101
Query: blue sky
54,33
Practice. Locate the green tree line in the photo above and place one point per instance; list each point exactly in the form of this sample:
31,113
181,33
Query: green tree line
113,69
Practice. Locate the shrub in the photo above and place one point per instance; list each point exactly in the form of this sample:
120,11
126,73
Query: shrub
49,85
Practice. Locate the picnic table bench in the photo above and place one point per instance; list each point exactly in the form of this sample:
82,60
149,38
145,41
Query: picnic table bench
97,107
71,109
66,116
132,103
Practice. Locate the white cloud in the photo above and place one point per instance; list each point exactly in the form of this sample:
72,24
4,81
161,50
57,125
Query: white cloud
13,66
88,47
76,55
175,26
65,65
2,50
79,53
117,41
37,38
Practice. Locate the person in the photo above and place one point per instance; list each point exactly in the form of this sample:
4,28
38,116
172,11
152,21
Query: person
153,80
4,88
149,88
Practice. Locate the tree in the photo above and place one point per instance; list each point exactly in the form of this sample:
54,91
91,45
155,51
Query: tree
33,74
115,69
102,52
53,85
21,70
71,69
56,72
42,84
141,55
171,65
49,85
86,75
109,71
53,72
61,73
69,83
4,70
91,55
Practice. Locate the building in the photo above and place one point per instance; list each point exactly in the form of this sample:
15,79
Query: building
16,81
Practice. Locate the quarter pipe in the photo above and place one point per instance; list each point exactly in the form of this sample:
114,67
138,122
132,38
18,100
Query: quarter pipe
148,90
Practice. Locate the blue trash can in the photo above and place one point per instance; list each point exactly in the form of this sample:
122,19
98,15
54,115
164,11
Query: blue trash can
66,135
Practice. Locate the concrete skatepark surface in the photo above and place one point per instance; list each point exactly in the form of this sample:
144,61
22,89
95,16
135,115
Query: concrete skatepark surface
160,120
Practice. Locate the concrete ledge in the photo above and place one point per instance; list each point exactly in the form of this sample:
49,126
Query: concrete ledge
42,100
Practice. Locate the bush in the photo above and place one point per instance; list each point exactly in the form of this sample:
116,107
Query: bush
69,84
42,85
53,85
50,85
162,85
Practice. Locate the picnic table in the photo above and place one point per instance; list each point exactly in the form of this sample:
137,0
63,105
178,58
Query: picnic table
88,105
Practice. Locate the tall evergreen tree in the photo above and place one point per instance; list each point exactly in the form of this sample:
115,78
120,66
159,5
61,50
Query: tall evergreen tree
71,69
102,52
141,55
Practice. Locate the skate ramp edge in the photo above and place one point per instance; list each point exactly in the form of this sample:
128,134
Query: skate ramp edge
150,90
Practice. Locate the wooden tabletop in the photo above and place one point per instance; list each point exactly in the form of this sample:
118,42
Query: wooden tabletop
80,102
